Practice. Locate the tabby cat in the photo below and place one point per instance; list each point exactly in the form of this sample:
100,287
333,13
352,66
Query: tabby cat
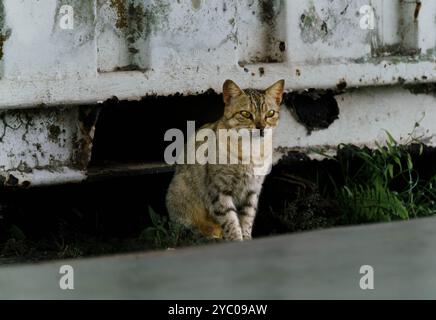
220,200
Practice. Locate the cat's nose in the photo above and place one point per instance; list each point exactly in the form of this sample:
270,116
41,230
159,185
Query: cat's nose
261,128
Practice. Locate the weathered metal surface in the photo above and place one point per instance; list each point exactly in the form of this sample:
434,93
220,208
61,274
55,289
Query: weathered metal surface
314,265
365,116
45,146
137,47
134,48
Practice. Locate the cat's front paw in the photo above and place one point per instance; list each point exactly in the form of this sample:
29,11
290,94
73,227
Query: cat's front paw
236,235
234,238
246,237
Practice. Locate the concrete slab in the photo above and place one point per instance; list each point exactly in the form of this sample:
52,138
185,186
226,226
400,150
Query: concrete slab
321,264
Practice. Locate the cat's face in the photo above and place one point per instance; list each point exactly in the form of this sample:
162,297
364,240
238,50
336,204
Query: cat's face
250,108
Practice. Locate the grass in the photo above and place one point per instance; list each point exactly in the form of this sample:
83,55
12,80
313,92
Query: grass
390,182
385,184
164,234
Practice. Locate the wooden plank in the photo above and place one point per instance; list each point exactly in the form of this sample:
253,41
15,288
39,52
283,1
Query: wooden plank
322,264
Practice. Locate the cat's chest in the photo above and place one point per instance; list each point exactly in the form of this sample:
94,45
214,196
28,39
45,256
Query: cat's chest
243,181
246,184
239,180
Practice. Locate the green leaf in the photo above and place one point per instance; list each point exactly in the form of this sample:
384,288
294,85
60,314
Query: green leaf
155,219
391,170
409,162
16,233
398,162
391,139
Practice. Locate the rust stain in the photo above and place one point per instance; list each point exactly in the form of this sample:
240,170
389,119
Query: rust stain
261,71
417,10
3,33
3,37
53,133
2,40
83,140
196,4
341,85
122,21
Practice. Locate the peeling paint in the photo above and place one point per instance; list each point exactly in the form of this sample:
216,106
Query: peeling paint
138,20
269,10
342,85
135,23
423,88
398,50
39,143
261,36
119,6
407,35
312,26
53,133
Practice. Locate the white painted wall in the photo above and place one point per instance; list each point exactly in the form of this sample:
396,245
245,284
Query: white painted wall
189,46
364,118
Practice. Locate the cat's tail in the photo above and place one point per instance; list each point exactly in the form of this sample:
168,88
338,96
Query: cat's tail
209,228
185,208
198,218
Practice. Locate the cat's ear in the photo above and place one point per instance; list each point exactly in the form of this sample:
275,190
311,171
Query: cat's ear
276,91
230,90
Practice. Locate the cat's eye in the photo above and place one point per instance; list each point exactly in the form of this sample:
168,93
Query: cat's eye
270,113
246,114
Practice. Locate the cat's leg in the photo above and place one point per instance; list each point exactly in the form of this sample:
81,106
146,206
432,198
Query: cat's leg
224,212
248,213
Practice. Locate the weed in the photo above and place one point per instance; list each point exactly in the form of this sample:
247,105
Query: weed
383,184
164,233
392,182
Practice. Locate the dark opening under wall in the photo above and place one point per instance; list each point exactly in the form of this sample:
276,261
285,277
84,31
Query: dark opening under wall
114,216
315,109
133,131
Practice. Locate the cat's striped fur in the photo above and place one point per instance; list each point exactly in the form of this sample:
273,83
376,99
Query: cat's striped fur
221,199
